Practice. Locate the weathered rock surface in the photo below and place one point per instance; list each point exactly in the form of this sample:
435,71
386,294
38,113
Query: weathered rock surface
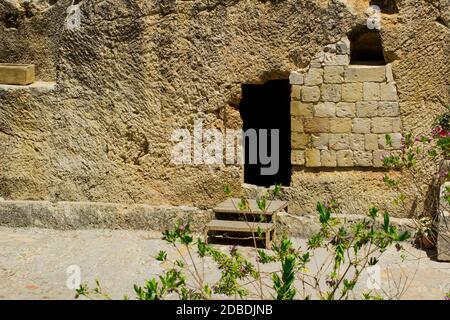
88,215
136,70
443,225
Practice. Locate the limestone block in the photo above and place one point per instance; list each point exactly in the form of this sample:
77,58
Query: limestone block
378,156
298,157
332,59
371,91
301,109
296,78
310,94
381,125
357,141
296,91
318,58
365,74
389,74
299,141
396,125
388,109
316,63
361,125
314,77
312,158
331,92
344,158
325,110
444,205
352,92
388,92
396,139
371,142
339,141
346,109
16,74
362,158
328,158
343,46
443,238
320,141
340,125
316,125
296,124
366,109
333,74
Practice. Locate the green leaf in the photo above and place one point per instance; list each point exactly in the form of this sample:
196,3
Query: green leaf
227,190
388,139
386,222
261,204
373,212
324,213
162,256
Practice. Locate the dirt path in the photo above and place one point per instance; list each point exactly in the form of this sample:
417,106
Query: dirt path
34,262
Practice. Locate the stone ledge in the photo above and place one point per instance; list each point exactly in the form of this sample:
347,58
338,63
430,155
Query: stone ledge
305,226
87,215
102,215
38,86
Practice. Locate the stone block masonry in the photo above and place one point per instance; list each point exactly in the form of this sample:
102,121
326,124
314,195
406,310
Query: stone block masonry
443,225
341,114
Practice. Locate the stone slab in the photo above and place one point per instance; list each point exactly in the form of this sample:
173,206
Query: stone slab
86,215
16,74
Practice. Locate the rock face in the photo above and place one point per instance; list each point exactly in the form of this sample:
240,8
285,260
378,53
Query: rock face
443,224
135,71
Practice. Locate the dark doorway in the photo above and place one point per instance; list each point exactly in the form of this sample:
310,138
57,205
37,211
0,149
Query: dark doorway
366,48
267,106
386,6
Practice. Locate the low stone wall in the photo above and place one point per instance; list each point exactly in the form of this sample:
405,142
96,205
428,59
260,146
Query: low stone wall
84,215
95,215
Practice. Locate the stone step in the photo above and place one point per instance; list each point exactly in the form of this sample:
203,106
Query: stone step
225,226
231,205
239,226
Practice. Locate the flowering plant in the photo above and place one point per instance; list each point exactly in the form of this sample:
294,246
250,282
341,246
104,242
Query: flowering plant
441,133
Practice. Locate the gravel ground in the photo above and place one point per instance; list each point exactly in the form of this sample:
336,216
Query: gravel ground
34,264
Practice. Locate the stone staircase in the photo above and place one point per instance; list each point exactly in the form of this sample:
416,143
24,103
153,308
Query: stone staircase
235,222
